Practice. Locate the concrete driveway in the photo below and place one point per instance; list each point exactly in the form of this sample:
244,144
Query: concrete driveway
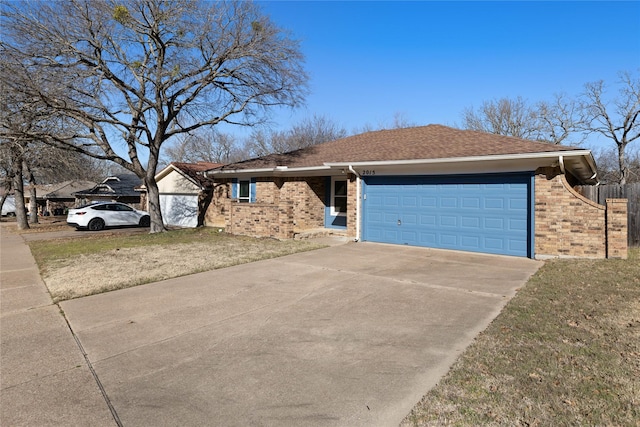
350,335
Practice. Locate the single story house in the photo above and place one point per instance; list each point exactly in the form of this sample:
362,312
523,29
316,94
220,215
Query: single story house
124,188
55,199
182,188
431,186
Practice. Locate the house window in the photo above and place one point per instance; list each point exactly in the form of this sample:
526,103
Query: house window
339,197
244,194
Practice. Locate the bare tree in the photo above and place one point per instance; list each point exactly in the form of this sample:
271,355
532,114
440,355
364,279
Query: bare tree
616,120
561,121
308,132
14,152
17,120
6,178
504,116
398,121
207,145
123,77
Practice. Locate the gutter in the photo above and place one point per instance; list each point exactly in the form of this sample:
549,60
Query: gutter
525,156
278,170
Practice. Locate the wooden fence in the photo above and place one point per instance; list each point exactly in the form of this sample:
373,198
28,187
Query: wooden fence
631,192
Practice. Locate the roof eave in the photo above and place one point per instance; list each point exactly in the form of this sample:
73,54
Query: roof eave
166,171
581,163
276,171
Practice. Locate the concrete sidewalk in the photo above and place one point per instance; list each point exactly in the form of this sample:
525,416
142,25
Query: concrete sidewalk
44,377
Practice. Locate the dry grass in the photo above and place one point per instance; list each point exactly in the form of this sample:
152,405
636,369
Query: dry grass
565,351
73,268
45,224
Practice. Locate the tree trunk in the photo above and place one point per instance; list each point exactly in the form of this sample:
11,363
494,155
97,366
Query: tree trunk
622,165
153,200
3,198
33,194
204,200
18,186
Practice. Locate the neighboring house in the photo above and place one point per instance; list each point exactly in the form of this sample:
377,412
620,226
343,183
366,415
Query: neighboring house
431,186
124,188
183,188
55,199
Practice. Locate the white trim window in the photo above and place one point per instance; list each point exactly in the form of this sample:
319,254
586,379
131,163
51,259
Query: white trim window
244,191
338,197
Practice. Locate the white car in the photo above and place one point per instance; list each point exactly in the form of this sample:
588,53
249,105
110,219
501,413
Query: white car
97,216
9,207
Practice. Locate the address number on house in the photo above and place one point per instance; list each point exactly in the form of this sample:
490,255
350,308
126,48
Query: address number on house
369,172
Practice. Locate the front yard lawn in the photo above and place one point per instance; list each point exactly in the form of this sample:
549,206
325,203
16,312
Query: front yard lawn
73,268
564,351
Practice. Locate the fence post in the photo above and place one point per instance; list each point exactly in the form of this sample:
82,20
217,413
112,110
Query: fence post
616,228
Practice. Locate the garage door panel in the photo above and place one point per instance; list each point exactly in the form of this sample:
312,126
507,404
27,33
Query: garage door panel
470,222
493,203
448,221
428,202
449,241
448,202
179,210
483,213
471,203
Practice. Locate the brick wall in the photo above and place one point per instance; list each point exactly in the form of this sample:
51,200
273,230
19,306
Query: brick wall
260,219
617,228
215,216
352,205
282,205
308,198
566,223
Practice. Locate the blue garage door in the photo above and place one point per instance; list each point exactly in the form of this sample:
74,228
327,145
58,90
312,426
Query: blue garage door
479,213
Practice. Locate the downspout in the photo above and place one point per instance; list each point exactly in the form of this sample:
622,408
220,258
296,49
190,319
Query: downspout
353,171
561,163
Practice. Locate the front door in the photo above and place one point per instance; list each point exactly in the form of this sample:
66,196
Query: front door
336,204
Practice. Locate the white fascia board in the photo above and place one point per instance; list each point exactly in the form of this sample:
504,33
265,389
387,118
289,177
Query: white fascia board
164,172
478,164
498,157
277,171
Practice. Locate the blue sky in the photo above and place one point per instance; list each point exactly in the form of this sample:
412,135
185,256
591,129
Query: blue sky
428,61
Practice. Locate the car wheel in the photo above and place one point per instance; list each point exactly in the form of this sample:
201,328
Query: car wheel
96,224
11,214
145,221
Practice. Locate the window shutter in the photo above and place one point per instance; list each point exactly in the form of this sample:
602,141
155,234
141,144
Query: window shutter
234,188
252,191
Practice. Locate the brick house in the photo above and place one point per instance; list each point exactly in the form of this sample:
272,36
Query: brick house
431,186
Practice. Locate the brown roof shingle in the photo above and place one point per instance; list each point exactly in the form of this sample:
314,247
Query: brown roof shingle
424,142
193,170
